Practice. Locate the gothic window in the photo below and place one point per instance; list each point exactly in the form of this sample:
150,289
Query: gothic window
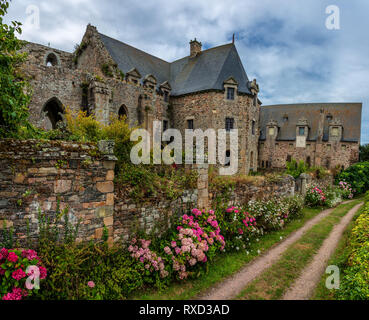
228,158
229,124
53,110
165,125
190,124
122,113
230,93
308,161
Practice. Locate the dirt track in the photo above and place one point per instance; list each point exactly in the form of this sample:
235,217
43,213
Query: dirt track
304,286
231,287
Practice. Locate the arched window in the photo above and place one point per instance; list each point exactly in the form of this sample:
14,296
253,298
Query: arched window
122,113
308,161
53,109
51,60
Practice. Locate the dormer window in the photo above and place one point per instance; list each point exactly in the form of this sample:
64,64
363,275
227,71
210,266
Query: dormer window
335,132
166,96
230,93
329,117
301,131
285,118
271,131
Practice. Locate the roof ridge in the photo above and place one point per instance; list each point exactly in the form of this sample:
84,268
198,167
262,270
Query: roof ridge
149,54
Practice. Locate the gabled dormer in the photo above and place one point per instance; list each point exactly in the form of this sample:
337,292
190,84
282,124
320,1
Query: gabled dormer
335,130
230,89
150,82
272,130
133,76
165,89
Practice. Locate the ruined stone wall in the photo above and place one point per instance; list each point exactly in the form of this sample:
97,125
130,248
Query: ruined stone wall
210,110
330,154
35,176
259,189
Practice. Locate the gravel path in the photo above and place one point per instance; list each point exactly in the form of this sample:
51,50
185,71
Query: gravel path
231,287
304,286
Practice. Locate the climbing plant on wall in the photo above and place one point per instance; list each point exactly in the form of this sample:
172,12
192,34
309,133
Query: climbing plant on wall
14,97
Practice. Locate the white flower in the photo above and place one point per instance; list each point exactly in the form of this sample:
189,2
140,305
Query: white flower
257,240
281,237
259,251
247,252
237,248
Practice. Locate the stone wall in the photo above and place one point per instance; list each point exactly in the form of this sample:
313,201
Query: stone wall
328,154
35,176
259,189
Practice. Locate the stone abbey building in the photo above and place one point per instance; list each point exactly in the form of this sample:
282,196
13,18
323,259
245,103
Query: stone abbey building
206,89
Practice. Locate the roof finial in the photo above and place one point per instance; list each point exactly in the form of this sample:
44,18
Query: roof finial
233,39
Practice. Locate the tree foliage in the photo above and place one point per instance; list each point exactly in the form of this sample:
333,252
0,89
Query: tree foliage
14,90
364,152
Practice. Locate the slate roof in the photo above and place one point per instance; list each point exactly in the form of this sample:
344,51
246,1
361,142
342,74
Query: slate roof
348,113
206,71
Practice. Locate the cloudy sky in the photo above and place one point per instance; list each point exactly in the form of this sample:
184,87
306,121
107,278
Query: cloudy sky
284,44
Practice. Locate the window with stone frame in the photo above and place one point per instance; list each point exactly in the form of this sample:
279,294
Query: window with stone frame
229,125
271,131
253,124
301,131
190,124
165,125
166,96
335,132
230,93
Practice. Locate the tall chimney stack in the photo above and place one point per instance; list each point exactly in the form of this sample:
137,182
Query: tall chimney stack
195,48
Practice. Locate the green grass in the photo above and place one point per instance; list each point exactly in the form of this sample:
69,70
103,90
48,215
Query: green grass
272,283
225,265
339,258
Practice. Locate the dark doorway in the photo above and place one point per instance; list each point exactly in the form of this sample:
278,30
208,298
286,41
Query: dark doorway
122,113
54,110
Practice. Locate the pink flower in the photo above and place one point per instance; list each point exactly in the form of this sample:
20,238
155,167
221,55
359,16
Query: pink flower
12,257
18,274
43,272
3,253
240,231
91,284
173,244
177,250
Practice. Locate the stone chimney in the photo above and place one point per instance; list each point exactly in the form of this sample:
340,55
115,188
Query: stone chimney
195,47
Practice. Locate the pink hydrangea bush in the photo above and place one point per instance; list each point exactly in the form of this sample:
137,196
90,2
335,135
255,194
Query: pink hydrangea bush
197,240
347,192
239,227
315,197
13,276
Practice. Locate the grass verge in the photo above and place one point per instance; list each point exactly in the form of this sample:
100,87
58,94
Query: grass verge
339,258
272,284
225,265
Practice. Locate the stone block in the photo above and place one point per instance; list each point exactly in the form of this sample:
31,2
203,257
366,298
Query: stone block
110,199
19,178
108,221
62,186
110,175
105,187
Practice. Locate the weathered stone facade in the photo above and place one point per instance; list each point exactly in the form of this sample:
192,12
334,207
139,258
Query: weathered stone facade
36,177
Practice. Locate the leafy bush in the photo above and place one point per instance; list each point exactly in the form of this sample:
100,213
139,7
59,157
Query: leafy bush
13,267
315,197
296,169
357,176
355,282
347,192
333,196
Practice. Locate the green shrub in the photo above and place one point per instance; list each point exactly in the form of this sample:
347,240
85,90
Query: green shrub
357,175
355,282
296,169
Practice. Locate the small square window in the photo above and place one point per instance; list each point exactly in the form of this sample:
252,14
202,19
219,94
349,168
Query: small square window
229,124
301,131
230,93
334,132
190,124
